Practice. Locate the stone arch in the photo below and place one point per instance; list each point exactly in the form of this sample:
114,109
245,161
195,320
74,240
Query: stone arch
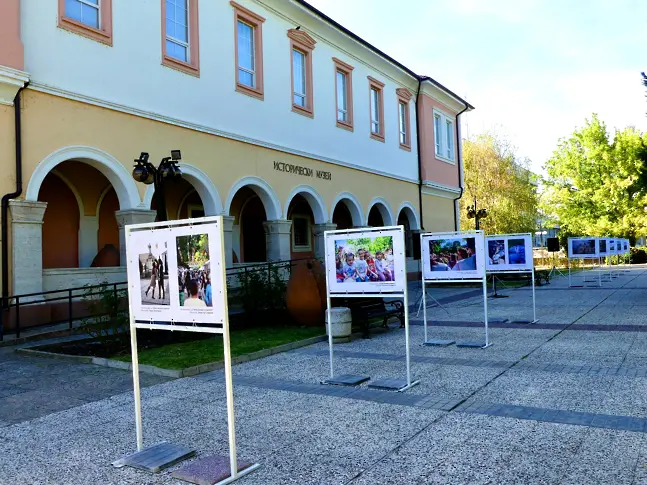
315,200
114,171
385,210
265,192
72,188
202,184
410,211
353,205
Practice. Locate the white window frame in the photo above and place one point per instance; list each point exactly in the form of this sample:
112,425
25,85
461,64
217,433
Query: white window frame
445,151
244,69
402,123
375,112
97,6
304,248
303,96
342,96
187,44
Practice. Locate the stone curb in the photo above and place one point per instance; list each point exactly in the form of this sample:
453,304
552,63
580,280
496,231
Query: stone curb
187,372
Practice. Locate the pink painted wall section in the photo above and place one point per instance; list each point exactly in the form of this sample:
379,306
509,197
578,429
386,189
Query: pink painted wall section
11,48
433,169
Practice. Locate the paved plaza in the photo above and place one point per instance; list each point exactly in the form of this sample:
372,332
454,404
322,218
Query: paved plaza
562,401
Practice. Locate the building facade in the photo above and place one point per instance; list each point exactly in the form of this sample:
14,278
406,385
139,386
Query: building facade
288,124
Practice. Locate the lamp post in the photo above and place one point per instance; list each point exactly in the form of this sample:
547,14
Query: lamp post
476,214
146,173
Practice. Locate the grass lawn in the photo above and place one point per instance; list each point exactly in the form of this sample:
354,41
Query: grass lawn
189,354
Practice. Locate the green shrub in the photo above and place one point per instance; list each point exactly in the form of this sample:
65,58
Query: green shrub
261,289
638,256
108,322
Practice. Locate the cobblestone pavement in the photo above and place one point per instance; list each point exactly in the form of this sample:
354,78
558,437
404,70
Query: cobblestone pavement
562,402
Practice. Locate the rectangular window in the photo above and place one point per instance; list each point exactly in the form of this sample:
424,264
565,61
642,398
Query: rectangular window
84,11
437,133
89,18
444,136
299,78
344,94
177,30
376,103
301,48
248,46
450,138
301,233
246,72
404,119
180,49
342,97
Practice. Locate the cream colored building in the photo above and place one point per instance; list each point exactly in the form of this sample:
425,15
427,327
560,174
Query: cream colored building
288,124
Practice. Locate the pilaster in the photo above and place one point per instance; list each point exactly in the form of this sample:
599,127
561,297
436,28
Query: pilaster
277,239
127,217
27,245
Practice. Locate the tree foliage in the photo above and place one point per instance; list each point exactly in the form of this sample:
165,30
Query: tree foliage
597,185
193,250
501,184
644,76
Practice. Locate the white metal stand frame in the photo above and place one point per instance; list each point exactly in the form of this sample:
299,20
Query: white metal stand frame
570,285
404,295
532,276
224,331
483,281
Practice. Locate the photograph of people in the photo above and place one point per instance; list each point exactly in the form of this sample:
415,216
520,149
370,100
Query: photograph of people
586,246
496,251
194,271
453,254
153,275
364,260
516,251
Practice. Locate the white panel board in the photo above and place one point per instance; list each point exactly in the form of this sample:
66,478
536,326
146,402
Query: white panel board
453,255
584,248
508,252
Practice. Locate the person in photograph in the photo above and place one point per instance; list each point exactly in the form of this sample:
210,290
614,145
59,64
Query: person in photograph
370,261
390,260
382,267
153,282
361,266
350,270
193,300
208,297
437,264
465,261
160,279
498,252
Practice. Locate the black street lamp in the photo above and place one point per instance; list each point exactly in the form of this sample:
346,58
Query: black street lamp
476,214
146,173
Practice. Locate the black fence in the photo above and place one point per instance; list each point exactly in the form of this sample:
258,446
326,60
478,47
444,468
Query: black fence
13,308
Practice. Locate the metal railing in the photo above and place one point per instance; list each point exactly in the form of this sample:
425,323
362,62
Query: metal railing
18,301
78,293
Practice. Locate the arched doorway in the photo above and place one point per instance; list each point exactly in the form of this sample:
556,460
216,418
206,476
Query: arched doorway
347,212
182,200
80,217
407,218
253,204
379,214
301,235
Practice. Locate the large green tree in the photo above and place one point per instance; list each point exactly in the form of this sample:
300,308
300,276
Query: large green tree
501,184
597,184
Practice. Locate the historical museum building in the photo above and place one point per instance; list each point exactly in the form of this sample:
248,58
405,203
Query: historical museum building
288,125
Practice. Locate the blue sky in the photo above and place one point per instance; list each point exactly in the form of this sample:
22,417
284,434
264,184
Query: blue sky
534,69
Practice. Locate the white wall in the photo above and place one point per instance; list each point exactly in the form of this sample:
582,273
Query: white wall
130,73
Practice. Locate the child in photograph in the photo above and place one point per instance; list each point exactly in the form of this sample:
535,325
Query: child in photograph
372,272
388,255
382,268
361,267
350,271
153,282
465,261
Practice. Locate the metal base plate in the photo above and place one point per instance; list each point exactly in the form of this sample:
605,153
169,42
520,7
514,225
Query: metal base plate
156,458
209,470
346,380
439,343
521,321
471,344
389,384
498,295
497,320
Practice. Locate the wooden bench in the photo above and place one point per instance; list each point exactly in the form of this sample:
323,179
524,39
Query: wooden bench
363,310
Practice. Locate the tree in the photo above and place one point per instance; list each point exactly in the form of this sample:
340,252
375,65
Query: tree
501,184
644,78
596,185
